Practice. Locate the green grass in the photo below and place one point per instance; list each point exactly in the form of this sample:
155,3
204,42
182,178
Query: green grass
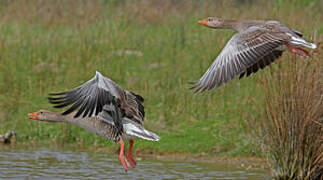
57,50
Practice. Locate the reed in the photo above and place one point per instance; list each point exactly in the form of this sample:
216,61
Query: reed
292,122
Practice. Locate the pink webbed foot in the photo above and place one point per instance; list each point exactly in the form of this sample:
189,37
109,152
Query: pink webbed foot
129,154
122,158
298,51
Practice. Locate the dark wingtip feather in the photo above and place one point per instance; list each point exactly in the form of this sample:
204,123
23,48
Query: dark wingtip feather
198,89
59,106
55,102
241,75
60,97
58,94
193,85
138,97
55,98
194,89
65,113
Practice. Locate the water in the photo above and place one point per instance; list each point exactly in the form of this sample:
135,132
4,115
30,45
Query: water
45,163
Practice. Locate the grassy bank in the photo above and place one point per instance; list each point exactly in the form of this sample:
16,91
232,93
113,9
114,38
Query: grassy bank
151,48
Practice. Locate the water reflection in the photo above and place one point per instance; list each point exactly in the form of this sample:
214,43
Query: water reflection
47,163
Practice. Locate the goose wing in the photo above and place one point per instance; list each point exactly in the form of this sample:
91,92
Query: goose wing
100,94
89,98
242,51
262,63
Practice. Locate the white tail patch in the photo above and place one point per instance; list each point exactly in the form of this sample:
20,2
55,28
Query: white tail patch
300,41
313,46
139,132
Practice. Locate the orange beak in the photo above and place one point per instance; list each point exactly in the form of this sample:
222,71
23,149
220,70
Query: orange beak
33,115
202,22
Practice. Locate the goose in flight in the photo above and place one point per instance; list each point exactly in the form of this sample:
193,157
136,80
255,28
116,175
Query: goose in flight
104,108
256,45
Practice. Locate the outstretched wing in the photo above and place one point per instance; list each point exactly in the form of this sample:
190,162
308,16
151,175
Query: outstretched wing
91,98
242,51
101,97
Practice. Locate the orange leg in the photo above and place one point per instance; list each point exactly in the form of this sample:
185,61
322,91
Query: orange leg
298,51
122,158
129,154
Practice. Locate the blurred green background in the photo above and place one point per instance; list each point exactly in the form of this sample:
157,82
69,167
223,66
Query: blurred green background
153,48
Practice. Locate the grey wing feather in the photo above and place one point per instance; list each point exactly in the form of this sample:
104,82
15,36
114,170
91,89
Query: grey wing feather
262,63
91,98
241,52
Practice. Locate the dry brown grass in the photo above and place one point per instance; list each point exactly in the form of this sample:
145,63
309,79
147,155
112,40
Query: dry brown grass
81,12
52,12
292,123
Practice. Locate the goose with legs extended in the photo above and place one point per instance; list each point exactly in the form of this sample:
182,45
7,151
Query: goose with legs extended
256,45
104,108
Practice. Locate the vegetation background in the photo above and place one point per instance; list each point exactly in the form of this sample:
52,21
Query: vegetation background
153,48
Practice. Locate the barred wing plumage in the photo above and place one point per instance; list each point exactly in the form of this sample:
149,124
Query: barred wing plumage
242,51
101,94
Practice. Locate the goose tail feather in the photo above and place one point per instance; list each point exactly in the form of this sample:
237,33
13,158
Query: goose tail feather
139,132
302,42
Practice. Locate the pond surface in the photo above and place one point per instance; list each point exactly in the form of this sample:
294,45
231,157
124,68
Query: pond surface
48,163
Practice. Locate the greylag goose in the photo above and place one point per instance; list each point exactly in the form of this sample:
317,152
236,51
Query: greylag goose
255,45
104,108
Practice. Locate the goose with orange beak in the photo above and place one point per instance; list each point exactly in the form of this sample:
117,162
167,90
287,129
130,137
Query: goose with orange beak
256,45
104,108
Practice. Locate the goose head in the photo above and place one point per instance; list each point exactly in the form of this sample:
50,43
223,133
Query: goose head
44,115
217,23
